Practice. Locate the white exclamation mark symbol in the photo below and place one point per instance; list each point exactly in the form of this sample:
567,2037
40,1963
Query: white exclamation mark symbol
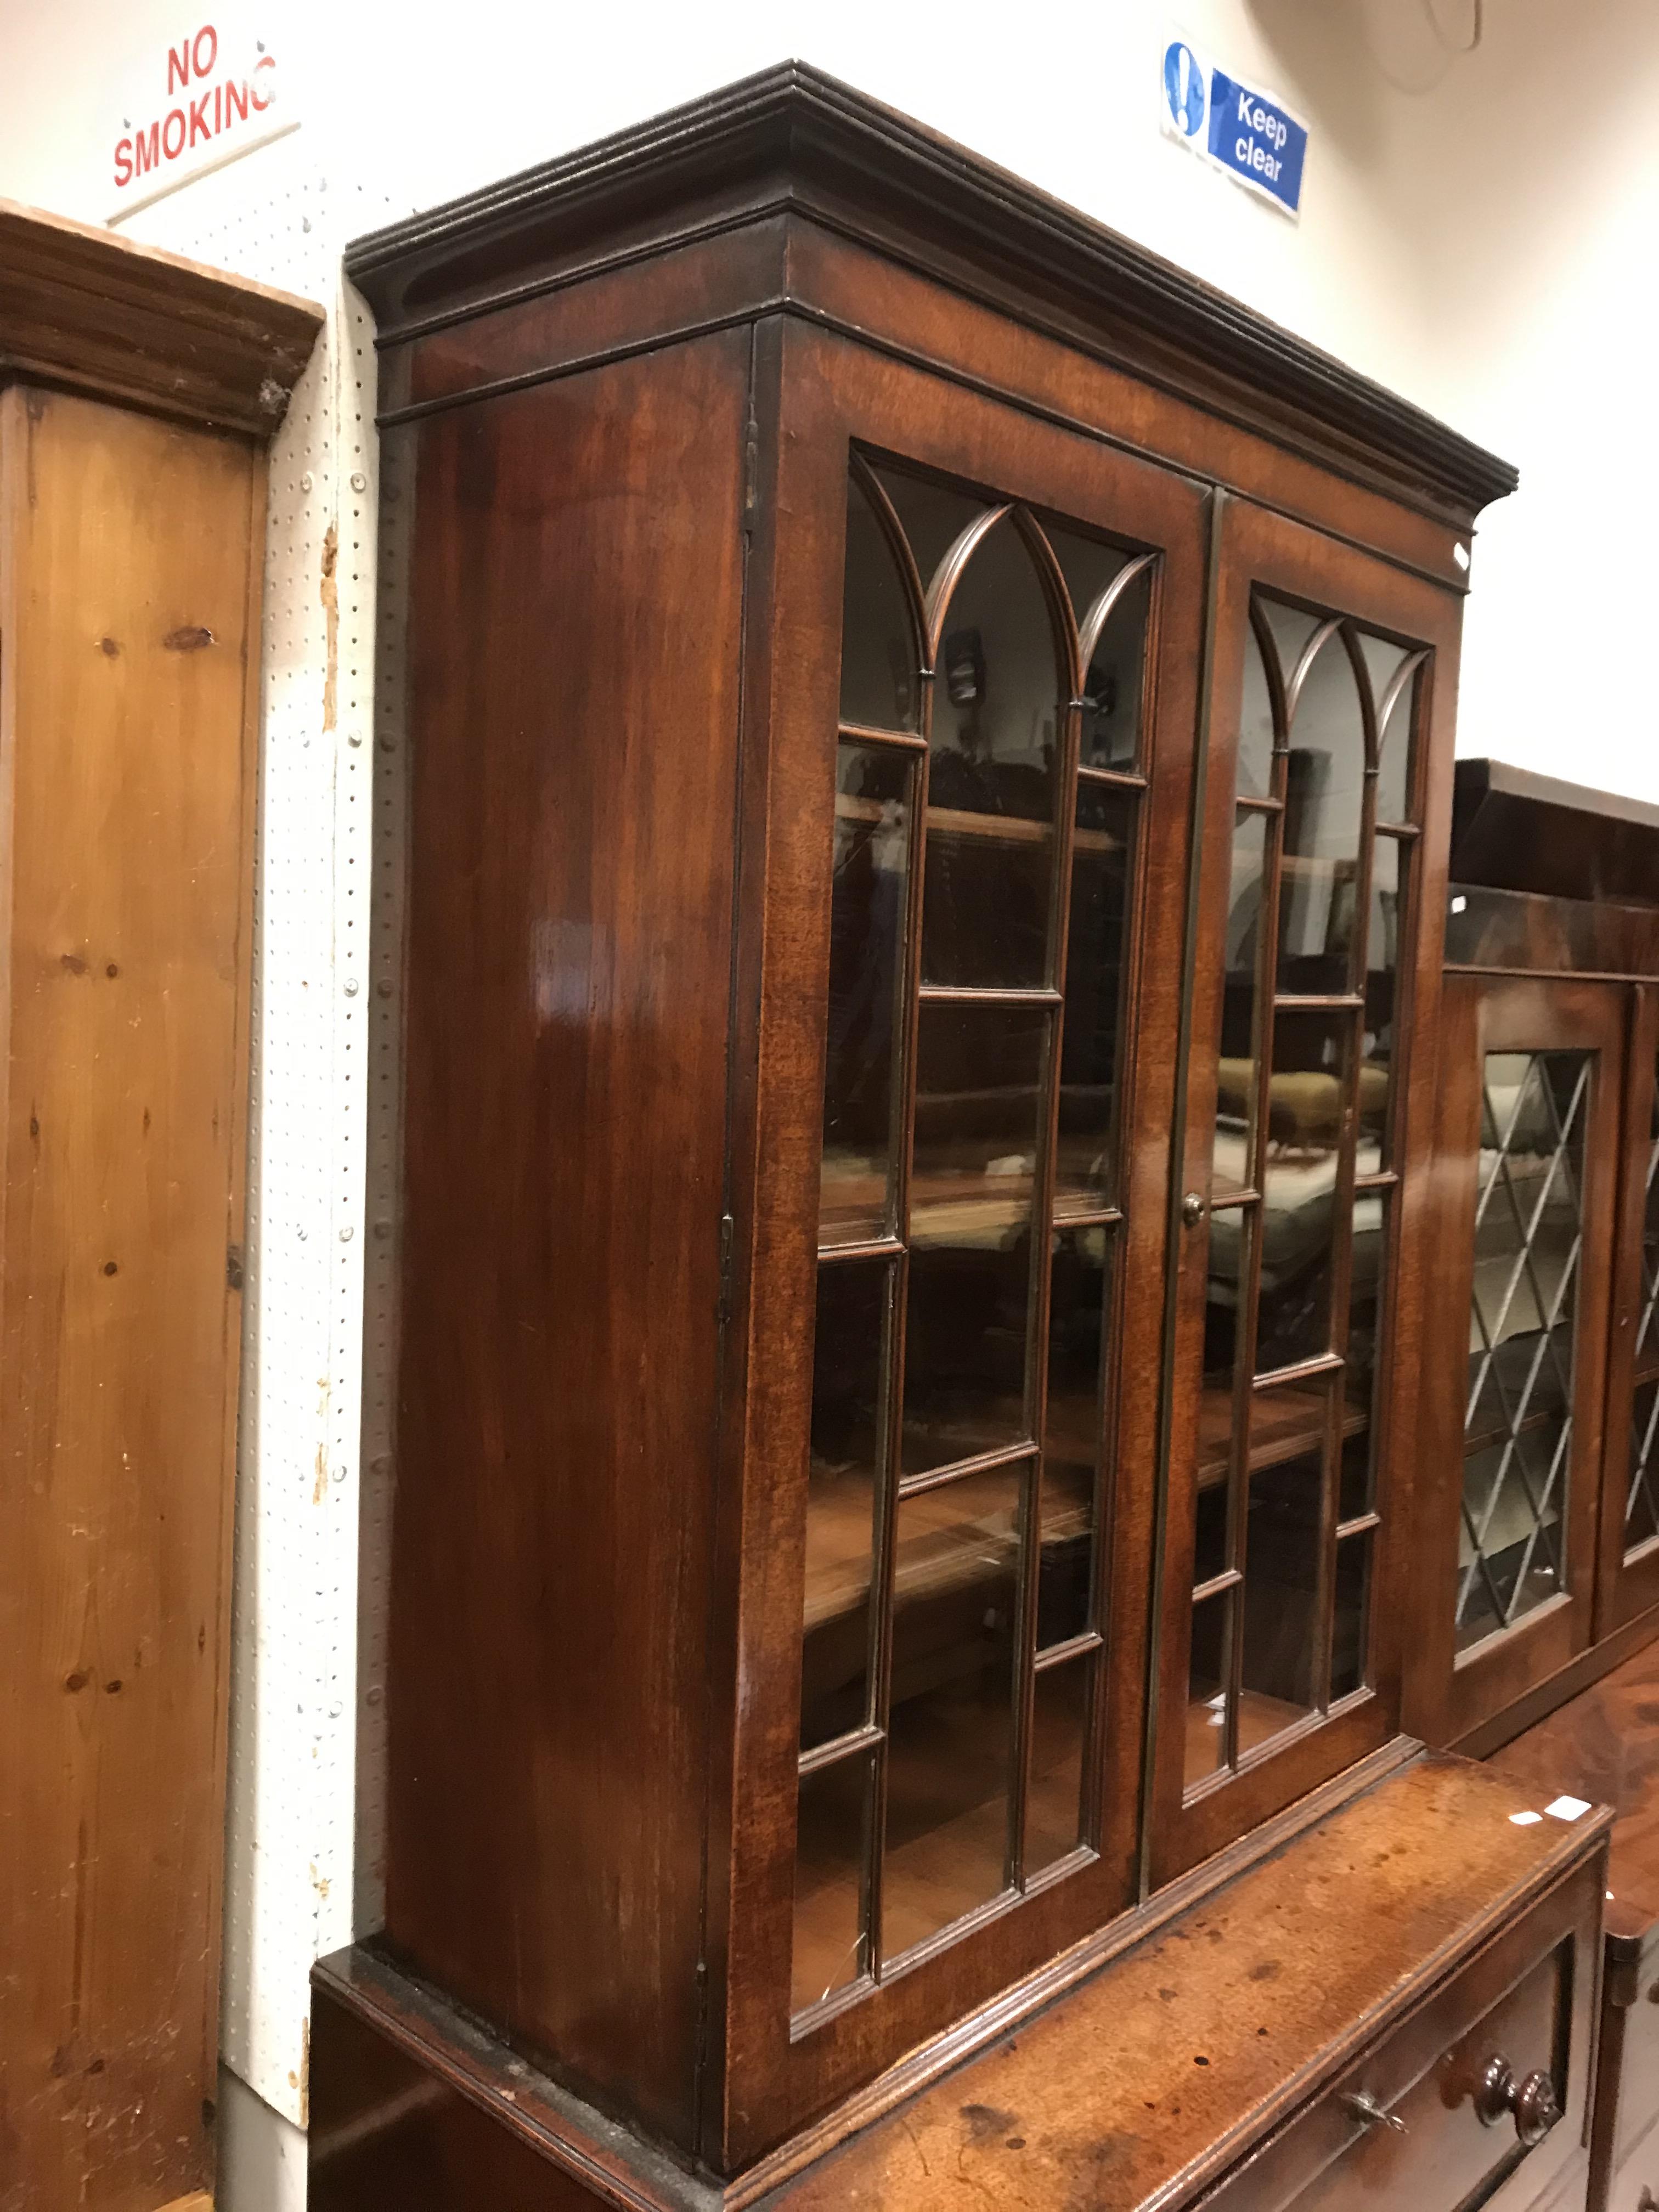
1185,87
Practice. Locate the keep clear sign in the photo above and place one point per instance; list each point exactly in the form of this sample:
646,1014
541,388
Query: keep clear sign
1235,125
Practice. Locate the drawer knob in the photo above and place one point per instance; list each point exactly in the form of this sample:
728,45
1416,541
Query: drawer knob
1366,2108
1531,2103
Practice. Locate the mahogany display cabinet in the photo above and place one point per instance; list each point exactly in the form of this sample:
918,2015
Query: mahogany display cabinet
1546,1551
924,738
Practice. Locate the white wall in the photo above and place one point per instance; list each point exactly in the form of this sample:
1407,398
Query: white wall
1478,229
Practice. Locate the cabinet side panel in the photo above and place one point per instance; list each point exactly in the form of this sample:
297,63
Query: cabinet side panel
131,566
574,619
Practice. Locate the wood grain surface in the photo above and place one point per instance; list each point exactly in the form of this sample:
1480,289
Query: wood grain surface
129,565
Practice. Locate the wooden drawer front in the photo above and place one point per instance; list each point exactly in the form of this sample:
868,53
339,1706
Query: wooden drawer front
1526,1999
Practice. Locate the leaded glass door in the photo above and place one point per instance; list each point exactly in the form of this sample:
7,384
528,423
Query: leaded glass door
1629,1579
1531,1077
1305,1118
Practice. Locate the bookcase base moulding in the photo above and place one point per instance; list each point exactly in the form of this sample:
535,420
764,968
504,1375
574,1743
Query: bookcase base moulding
927,746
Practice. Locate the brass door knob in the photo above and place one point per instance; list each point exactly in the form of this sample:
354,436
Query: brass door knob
1532,2103
1194,1207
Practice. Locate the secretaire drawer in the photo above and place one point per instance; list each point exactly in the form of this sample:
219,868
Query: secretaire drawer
1479,2096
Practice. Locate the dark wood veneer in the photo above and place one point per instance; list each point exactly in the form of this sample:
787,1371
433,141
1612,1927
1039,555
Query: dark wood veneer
623,397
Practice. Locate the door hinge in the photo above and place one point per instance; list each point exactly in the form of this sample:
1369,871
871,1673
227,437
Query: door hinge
723,1309
750,471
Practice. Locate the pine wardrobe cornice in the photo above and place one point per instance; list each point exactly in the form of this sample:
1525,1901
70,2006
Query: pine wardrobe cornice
792,138
83,309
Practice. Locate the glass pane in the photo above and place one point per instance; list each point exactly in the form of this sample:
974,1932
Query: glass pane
1095,946
979,1083
1365,1294
950,1762
1211,1551
1642,1510
1079,1277
1059,1720
934,515
848,1363
1281,1580
830,1946
1393,780
880,652
1088,564
1237,1068
1389,864
1306,1094
1226,1340
1254,776
1115,679
866,923
1323,792
991,797
1352,1622
1528,1243
1206,1691
1647,1322
1292,629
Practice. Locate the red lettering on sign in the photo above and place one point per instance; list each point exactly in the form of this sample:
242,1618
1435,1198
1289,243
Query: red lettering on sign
178,66
236,98
146,151
175,115
203,68
261,104
198,122
123,160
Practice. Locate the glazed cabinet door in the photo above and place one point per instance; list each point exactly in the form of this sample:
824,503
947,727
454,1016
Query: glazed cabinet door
1306,1097
1629,1580
979,680
1531,1077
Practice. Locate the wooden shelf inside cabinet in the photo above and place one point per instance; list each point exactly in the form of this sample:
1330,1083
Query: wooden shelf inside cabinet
791,1172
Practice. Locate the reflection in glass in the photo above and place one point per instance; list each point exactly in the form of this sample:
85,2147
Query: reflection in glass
1236,1070
994,756
1281,1600
1641,1506
1256,730
1206,1687
1349,1626
1059,1718
949,1763
1079,1276
848,1363
867,919
830,1945
1210,1548
1225,1345
979,1085
1366,1288
1306,1103
1114,678
1292,630
880,652
1323,793
1393,779
933,515
1095,976
1390,862
1642,1510
1528,1243
1088,564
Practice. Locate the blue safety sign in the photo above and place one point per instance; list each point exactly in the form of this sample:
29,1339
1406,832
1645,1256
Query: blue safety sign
1256,139
1184,87
1232,123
